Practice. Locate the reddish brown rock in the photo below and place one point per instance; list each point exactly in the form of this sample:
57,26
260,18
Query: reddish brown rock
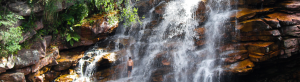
200,31
286,19
228,47
12,77
200,42
274,23
262,47
52,54
51,75
160,8
235,56
246,13
67,59
240,67
254,25
38,73
260,57
25,70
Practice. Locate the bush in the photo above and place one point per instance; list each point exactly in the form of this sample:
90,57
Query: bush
11,36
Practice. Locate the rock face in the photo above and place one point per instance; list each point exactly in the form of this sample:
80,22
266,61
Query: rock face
26,58
13,77
266,34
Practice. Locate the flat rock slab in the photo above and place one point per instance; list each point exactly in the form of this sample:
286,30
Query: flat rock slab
254,25
246,13
262,47
291,5
240,67
260,57
12,77
286,19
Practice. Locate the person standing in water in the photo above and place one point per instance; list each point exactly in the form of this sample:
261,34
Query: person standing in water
130,66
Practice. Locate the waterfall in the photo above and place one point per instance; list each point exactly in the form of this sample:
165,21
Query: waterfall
167,50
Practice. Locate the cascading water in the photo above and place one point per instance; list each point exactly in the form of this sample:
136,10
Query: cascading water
172,41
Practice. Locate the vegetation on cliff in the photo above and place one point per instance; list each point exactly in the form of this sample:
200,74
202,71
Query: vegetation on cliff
59,21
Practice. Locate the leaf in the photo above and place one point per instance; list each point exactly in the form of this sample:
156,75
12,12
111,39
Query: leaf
71,42
68,37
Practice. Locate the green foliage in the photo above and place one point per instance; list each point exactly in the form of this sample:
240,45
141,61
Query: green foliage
11,40
11,36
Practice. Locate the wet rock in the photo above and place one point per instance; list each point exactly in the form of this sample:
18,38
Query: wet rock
26,57
52,54
240,67
254,25
51,75
262,47
160,8
200,31
228,47
274,23
260,57
12,77
66,78
286,19
200,42
38,73
67,59
246,13
233,56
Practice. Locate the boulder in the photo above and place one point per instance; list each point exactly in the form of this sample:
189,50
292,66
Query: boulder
12,77
52,54
26,57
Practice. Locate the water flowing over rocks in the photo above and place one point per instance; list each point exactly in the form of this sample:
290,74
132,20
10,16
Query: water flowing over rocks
253,41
